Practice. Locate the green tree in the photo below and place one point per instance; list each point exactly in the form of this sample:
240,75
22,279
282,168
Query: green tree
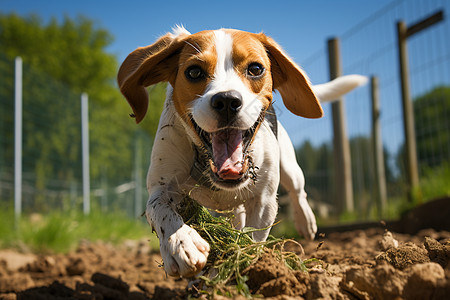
317,165
157,94
432,126
62,60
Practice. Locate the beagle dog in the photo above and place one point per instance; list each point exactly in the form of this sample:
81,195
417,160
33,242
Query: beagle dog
218,139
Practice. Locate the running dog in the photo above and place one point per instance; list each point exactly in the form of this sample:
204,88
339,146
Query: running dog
218,138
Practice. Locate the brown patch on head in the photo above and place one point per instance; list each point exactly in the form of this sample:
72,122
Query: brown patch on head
248,50
198,51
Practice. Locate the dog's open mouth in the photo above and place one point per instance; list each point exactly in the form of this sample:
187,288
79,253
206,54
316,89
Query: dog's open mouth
227,151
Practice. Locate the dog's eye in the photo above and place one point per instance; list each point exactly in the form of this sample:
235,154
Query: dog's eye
255,70
194,73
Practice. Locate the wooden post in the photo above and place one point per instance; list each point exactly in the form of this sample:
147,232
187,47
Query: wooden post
403,32
412,173
343,170
380,176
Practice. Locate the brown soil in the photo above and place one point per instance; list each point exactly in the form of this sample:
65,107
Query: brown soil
355,264
93,271
361,264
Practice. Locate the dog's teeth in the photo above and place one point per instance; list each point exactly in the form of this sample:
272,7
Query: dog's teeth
213,167
245,166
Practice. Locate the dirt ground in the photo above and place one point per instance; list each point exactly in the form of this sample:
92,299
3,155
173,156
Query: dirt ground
360,264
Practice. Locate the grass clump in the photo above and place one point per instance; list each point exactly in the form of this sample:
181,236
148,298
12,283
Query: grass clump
218,231
231,250
435,182
61,231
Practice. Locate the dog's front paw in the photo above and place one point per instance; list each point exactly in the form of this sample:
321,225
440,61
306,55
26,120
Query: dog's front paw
305,221
184,252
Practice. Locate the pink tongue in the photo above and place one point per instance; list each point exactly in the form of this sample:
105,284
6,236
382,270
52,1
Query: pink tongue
227,153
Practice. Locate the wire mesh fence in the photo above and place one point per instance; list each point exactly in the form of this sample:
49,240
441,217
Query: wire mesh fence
52,151
370,48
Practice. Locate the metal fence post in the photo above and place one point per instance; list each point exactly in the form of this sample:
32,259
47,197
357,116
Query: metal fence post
380,176
343,170
18,138
85,153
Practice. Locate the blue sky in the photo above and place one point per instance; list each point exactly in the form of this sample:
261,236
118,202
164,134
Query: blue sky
301,27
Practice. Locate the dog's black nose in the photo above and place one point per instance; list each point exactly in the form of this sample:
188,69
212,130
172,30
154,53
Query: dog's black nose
229,102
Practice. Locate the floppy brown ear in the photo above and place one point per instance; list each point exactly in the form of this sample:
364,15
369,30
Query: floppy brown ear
146,66
291,82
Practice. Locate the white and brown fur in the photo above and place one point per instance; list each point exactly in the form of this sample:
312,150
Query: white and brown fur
220,87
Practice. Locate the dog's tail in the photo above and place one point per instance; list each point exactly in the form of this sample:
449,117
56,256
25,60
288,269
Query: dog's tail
334,89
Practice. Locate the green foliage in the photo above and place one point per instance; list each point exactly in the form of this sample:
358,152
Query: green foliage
7,230
6,110
435,182
285,229
431,115
72,52
217,231
60,233
317,165
156,104
62,60
56,233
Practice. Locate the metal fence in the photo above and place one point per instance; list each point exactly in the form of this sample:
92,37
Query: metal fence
370,48
52,161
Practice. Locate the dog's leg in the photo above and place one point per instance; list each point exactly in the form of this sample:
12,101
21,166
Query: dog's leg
261,207
183,251
239,217
293,180
262,216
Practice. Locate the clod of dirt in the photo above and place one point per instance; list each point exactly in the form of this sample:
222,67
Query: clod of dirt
324,286
168,293
45,266
76,266
9,296
15,282
271,277
420,281
55,290
98,289
430,277
439,253
110,282
388,241
12,260
382,282
404,256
